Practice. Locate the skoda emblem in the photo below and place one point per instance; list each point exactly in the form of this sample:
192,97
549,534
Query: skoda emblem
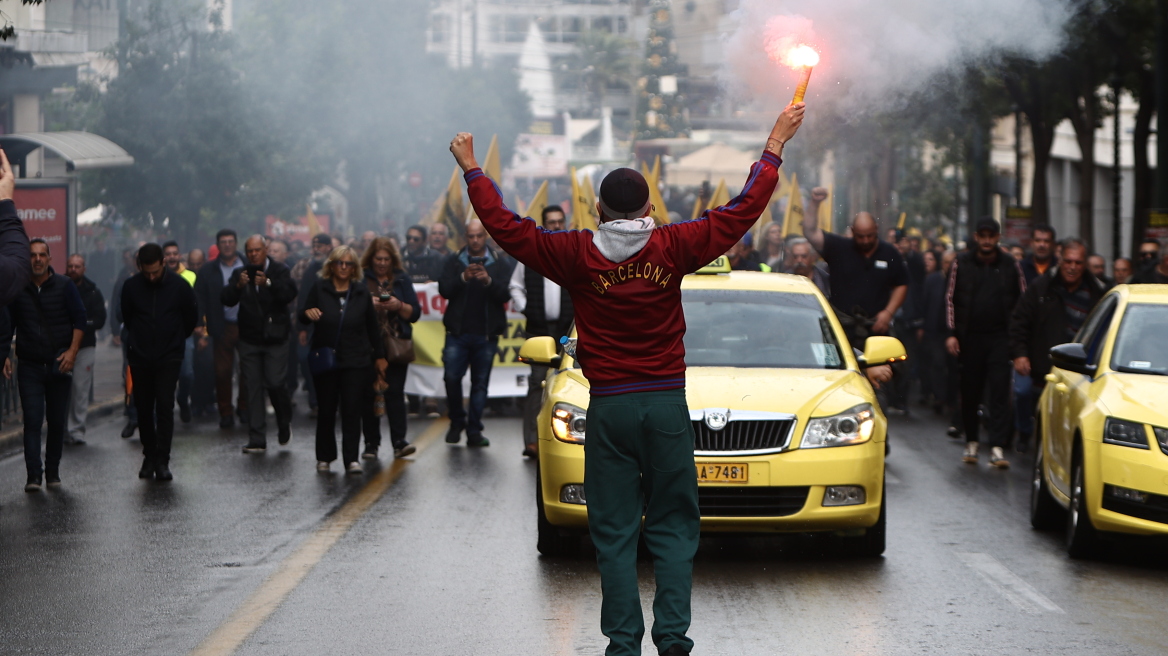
716,419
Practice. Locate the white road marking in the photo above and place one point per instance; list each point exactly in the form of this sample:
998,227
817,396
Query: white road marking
1010,585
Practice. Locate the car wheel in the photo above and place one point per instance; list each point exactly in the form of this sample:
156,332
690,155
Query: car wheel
871,544
1082,538
1045,512
551,540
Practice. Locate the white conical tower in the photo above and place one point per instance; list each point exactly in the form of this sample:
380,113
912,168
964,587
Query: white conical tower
535,74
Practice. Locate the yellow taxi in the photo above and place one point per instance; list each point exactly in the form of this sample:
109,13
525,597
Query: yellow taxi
1102,461
789,435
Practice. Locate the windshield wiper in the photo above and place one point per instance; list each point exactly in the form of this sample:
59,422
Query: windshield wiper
1135,370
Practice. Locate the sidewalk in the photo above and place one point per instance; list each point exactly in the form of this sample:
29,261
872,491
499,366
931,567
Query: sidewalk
108,395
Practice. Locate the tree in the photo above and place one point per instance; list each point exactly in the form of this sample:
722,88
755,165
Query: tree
604,61
660,105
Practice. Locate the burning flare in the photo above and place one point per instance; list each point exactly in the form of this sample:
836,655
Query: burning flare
802,56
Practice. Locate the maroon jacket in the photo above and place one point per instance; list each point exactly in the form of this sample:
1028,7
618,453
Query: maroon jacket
628,313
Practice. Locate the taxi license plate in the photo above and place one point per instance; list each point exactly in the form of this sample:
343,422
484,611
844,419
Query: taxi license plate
723,472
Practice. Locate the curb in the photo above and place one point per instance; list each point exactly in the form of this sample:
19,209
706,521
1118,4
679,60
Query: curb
13,439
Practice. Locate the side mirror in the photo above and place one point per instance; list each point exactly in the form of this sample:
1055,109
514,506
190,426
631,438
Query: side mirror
539,350
882,350
1071,357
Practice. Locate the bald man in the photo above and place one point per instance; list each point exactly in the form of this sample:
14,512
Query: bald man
869,279
262,289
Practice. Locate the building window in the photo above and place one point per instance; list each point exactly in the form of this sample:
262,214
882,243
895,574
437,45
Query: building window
439,28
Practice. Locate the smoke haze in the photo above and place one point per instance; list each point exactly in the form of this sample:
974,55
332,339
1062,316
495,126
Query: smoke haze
874,53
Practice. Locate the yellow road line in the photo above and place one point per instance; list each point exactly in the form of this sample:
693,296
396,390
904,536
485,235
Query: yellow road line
264,601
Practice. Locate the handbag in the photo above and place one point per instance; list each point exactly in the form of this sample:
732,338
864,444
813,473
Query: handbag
323,359
398,349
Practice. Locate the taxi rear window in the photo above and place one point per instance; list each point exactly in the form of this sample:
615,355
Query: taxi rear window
758,329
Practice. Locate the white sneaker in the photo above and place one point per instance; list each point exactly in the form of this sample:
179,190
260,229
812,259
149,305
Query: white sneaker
998,459
970,455
322,466
354,468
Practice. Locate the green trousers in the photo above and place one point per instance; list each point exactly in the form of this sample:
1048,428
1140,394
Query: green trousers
639,459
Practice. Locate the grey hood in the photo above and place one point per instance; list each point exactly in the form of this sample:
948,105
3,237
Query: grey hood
619,240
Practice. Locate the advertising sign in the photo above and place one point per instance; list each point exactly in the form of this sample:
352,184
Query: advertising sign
508,375
1157,224
298,230
1017,228
45,213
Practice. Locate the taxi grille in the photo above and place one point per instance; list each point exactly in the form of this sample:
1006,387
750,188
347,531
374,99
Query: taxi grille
747,435
718,501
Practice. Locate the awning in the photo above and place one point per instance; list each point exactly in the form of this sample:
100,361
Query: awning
80,150
714,162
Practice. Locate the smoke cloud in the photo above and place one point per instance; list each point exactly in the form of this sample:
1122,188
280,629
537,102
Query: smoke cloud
875,53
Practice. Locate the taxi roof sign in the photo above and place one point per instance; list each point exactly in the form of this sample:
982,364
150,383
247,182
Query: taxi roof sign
720,265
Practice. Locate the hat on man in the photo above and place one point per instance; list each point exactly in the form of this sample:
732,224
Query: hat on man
989,225
624,194
322,238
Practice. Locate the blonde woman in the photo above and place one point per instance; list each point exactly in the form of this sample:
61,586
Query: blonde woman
772,249
341,307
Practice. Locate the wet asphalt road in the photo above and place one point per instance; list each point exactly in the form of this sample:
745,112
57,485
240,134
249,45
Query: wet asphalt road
262,555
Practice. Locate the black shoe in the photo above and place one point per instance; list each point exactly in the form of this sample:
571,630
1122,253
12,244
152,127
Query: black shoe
226,421
162,472
953,432
404,449
184,413
477,441
285,434
255,448
147,470
675,650
128,431
370,454
74,441
33,484
453,434
52,479
1022,444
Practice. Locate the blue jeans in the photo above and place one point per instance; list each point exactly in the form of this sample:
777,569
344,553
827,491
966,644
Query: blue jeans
43,395
1024,403
186,374
478,353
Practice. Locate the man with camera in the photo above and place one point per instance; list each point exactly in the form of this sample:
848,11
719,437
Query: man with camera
474,281
262,290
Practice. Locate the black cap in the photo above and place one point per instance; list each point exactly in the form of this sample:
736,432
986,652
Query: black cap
988,224
322,238
624,194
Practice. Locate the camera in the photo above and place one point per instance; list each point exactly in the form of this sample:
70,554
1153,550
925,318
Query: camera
478,260
253,270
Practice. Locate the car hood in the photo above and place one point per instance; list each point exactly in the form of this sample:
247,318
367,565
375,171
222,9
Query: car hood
1136,397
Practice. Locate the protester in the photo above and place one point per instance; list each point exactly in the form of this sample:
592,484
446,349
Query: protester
1042,255
1050,313
196,259
933,332
474,282
341,309
278,251
952,364
307,272
984,287
630,345
439,238
1098,268
549,313
15,270
906,323
740,258
160,312
1017,251
773,250
222,325
1121,270
172,258
82,389
1152,272
263,290
421,263
1147,256
802,260
48,319
397,308
869,280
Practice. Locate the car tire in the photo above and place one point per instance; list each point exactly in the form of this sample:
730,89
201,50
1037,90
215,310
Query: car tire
1045,513
552,540
872,543
1082,539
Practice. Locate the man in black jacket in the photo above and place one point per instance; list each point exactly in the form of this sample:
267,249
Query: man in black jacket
984,287
474,281
262,290
94,304
222,324
549,312
160,312
49,321
1050,313
14,257
423,264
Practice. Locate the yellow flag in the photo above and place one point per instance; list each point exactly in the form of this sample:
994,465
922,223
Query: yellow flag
659,212
825,211
313,224
448,210
657,169
793,221
721,195
492,165
900,222
583,203
539,201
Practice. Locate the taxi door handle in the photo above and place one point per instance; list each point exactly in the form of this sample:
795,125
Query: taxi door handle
1051,378
1061,387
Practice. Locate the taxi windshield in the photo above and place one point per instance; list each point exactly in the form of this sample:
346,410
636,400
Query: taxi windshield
1140,347
758,329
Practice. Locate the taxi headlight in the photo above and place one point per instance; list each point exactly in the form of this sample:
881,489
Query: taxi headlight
850,427
1161,437
1125,433
569,423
